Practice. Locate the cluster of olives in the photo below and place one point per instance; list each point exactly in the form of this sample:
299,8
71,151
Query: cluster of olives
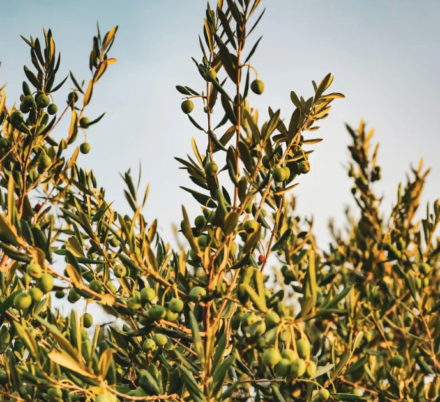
84,122
150,344
291,364
138,301
32,104
281,174
44,285
40,101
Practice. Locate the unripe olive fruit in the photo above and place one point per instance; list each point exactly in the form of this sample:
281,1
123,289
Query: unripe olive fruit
133,304
265,161
285,336
95,286
303,348
176,305
145,320
323,394
197,293
45,161
43,101
45,283
200,221
148,345
397,361
84,122
201,275
261,342
171,316
279,174
193,255
87,320
120,271
16,119
73,295
59,294
311,368
22,301
408,321
187,106
288,354
28,101
272,320
147,295
54,394
52,109
84,148
248,319
114,242
304,167
389,335
157,313
160,339
271,357
250,226
257,87
282,368
72,96
203,241
36,294
34,270
24,109
211,168
425,269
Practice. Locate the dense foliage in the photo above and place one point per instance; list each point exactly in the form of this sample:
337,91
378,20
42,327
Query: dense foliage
250,308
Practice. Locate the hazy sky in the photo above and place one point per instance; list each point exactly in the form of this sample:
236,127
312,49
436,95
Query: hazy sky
384,55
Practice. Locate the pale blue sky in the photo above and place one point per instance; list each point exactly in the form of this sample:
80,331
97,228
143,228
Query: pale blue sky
384,55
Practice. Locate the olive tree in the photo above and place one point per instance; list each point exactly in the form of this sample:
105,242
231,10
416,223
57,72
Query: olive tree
249,308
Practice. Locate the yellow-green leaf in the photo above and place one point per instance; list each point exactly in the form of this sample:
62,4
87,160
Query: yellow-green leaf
105,361
230,223
108,38
88,95
68,362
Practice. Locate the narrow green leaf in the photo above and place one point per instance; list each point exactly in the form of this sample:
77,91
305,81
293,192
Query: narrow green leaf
220,375
356,365
282,240
254,48
197,340
259,302
322,370
220,350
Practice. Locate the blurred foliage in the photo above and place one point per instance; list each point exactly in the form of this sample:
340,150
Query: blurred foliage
249,308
